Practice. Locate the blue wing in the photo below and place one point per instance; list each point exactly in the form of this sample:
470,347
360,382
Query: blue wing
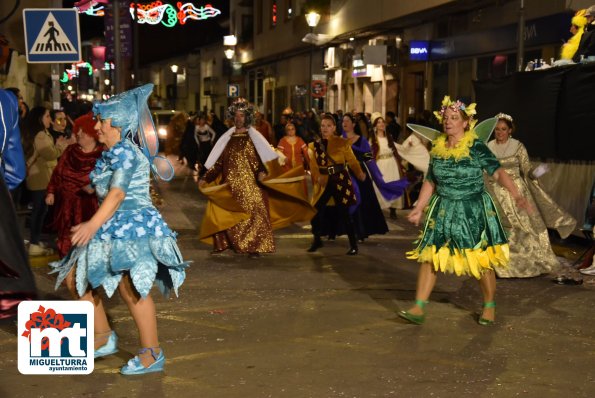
163,168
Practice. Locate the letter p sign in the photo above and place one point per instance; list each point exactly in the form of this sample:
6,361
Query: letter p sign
233,90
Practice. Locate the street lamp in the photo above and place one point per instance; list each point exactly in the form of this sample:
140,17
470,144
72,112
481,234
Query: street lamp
312,18
229,42
174,69
229,53
106,87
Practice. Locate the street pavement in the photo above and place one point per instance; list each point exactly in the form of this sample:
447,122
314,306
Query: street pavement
294,324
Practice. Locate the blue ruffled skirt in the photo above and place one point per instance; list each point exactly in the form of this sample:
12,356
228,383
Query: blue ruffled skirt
135,241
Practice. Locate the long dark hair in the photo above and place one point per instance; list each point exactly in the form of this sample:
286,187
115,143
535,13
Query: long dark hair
32,125
374,136
356,128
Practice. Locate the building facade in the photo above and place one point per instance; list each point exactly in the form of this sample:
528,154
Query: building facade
386,55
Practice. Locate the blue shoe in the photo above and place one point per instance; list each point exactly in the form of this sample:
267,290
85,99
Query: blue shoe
135,367
109,348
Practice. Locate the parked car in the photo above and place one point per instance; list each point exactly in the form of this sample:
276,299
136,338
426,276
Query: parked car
161,118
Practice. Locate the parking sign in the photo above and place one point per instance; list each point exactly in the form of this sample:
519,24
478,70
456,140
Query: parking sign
52,35
233,90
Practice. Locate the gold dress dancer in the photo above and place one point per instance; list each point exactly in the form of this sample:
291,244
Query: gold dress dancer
531,252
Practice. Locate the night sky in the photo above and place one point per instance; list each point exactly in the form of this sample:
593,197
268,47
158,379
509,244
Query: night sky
159,42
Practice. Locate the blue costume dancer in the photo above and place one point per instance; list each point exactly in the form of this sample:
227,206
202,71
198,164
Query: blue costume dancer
16,279
126,245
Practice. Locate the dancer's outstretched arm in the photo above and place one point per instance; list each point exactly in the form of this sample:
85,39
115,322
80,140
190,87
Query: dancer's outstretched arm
84,232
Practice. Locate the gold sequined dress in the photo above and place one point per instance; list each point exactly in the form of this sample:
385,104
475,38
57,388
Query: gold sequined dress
238,166
531,253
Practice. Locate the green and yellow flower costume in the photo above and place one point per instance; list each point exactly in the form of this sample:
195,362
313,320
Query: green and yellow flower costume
462,232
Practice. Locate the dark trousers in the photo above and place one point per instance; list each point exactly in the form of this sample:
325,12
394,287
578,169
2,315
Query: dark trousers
38,214
342,211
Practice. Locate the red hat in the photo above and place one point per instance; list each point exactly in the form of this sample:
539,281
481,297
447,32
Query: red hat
87,124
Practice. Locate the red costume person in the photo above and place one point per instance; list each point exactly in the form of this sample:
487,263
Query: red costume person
69,189
293,147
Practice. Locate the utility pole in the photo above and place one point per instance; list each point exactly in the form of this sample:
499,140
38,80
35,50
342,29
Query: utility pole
55,74
135,44
119,75
521,39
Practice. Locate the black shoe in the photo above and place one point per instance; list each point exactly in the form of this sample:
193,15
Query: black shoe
393,213
352,251
317,244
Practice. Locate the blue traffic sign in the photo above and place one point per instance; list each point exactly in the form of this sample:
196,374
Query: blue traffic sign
52,35
233,90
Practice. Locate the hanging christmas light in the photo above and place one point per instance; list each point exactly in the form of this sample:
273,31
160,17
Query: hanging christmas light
96,11
91,7
70,73
156,12
189,11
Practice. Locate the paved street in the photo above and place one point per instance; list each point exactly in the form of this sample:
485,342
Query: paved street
320,325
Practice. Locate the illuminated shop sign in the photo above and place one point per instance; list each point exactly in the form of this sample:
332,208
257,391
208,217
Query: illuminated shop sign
419,50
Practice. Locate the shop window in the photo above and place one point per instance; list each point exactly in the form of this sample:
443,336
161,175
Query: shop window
280,102
495,66
247,29
377,96
440,85
259,13
259,88
484,68
251,86
464,77
290,10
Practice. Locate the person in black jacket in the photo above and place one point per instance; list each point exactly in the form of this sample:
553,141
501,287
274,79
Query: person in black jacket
393,128
189,148
586,47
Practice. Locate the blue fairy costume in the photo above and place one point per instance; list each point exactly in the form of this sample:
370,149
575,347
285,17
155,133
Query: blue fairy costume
135,239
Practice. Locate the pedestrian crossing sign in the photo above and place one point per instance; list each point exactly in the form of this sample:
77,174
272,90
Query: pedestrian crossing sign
52,35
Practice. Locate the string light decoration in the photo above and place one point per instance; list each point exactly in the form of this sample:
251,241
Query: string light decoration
153,13
72,72
156,12
95,11
91,7
189,11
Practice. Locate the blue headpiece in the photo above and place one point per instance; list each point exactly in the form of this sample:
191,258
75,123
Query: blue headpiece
130,112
